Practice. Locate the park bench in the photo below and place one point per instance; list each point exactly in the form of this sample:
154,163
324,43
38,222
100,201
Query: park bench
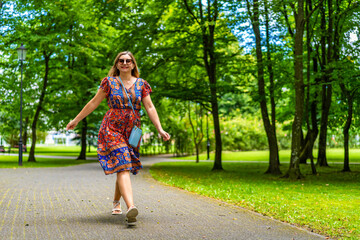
2,149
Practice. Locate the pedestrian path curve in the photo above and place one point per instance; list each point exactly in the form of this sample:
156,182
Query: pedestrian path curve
75,203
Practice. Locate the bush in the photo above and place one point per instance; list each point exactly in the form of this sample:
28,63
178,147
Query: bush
243,134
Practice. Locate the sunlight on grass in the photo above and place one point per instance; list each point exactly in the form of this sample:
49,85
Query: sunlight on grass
328,203
333,155
57,151
12,162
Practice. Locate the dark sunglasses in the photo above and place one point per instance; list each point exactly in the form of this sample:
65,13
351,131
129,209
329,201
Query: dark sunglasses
125,61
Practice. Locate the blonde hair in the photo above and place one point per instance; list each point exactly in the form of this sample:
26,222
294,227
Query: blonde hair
114,71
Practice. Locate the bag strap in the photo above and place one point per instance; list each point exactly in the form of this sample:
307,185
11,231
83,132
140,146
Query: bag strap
127,96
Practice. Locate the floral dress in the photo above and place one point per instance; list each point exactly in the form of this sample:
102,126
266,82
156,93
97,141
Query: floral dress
114,152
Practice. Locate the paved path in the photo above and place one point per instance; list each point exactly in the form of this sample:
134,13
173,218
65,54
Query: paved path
75,203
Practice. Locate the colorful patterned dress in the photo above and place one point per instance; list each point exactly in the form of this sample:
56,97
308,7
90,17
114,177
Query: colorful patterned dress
114,152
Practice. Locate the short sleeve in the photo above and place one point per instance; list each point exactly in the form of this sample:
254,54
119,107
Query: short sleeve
146,89
104,85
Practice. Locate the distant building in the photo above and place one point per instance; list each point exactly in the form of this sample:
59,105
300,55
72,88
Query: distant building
60,138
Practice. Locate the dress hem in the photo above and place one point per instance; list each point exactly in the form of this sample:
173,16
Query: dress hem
133,170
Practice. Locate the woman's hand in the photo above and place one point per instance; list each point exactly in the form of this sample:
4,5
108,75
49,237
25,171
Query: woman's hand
164,135
71,125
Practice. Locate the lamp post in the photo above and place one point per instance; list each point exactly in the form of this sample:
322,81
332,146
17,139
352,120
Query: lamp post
21,57
207,133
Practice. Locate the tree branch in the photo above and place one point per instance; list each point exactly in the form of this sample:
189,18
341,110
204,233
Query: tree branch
313,10
350,8
249,10
287,20
191,13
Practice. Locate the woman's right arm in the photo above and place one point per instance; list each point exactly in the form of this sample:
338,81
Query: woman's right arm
89,107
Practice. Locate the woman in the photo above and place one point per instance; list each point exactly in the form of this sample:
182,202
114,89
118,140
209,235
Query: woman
114,152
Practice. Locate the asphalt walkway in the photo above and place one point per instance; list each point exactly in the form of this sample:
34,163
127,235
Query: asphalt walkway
75,203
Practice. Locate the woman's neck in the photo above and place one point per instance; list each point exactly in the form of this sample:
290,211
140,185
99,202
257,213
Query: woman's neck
126,76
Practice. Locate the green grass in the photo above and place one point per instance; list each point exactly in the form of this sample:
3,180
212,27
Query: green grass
12,162
7,161
59,151
328,203
333,155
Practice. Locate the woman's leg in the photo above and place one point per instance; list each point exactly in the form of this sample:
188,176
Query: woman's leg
124,183
116,203
117,194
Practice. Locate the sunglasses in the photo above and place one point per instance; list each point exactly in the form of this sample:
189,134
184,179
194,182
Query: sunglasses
125,61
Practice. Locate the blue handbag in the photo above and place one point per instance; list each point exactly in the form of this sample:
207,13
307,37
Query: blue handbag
135,135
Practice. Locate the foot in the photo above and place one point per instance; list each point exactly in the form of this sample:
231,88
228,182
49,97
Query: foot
117,208
131,215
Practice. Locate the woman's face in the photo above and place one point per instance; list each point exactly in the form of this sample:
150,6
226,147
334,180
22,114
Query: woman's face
125,64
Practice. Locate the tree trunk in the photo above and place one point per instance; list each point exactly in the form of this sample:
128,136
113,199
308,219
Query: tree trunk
196,135
218,147
82,155
210,64
26,133
325,109
310,111
327,87
207,26
346,139
274,167
38,109
313,112
197,152
294,168
350,103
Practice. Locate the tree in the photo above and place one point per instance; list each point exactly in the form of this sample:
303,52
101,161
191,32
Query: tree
274,164
206,19
294,168
338,13
348,77
197,130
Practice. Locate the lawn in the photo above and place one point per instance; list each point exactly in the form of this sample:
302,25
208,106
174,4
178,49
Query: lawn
333,155
7,161
12,162
58,151
328,204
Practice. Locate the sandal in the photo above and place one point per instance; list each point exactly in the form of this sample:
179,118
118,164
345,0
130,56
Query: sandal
117,208
131,216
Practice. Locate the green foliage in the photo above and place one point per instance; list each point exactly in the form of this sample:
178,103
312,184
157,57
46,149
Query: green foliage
167,43
243,134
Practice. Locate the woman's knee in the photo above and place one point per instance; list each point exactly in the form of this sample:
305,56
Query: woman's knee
123,173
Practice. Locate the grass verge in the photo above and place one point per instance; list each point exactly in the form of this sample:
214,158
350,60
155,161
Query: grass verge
328,204
58,151
333,155
73,151
12,162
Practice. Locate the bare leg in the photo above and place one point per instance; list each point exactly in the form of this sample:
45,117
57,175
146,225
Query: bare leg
116,203
123,179
117,194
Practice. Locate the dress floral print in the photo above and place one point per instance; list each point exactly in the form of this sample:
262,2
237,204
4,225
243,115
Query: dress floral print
114,152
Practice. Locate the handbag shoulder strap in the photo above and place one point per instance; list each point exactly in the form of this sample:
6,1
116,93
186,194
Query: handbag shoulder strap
127,96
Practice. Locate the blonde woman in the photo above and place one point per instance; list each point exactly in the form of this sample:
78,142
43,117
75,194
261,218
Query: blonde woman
114,152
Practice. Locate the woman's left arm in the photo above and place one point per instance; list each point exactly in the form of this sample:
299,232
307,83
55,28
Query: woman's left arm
151,111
